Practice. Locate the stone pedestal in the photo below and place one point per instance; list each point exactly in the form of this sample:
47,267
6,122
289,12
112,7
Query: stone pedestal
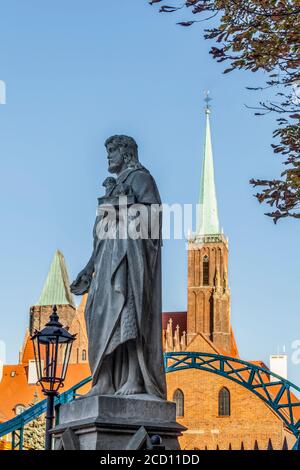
112,423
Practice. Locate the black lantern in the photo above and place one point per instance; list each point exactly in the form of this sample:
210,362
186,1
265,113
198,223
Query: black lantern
52,350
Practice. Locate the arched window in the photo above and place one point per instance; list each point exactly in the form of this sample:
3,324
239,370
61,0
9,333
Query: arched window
224,402
83,355
205,266
178,398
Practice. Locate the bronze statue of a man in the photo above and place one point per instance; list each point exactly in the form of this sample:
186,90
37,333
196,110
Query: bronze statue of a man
123,279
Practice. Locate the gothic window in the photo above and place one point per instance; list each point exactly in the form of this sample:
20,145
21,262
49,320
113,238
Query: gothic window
178,398
83,356
224,402
205,270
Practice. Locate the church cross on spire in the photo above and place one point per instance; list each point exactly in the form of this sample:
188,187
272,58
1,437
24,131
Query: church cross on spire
207,100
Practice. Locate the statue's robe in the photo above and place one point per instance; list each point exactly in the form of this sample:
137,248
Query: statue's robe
124,301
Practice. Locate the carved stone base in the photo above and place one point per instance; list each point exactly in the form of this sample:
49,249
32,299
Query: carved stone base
114,423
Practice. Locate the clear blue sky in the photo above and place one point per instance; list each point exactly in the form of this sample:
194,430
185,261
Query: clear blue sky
79,71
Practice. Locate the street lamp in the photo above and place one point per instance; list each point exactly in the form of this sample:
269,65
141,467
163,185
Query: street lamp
52,349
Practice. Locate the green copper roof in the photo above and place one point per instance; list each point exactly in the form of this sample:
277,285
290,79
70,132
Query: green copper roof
56,290
208,216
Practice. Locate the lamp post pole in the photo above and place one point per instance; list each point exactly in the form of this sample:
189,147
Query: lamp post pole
52,346
49,419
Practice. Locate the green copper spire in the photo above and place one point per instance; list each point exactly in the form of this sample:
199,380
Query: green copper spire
208,210
56,290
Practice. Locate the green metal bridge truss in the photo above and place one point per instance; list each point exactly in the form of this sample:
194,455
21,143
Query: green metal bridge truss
278,393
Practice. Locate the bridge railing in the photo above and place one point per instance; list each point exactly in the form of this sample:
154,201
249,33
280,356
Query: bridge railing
16,425
279,394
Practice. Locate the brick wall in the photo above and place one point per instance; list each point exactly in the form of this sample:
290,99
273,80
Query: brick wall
250,419
68,316
209,305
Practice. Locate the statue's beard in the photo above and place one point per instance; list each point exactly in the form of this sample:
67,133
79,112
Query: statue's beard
114,168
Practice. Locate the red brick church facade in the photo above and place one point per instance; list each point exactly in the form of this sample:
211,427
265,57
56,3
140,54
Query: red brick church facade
218,413
247,422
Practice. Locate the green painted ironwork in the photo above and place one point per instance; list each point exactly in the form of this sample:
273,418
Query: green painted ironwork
16,425
279,394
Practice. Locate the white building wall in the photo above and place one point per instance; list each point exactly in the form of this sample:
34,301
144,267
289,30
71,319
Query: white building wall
278,365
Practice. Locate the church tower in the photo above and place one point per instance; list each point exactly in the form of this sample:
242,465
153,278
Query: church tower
56,291
208,292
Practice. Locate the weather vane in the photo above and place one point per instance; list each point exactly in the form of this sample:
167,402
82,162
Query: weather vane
207,100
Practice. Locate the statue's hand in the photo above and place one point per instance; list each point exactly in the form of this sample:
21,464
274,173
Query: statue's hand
82,284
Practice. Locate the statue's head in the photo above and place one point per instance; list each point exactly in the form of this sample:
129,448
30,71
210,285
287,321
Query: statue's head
122,153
